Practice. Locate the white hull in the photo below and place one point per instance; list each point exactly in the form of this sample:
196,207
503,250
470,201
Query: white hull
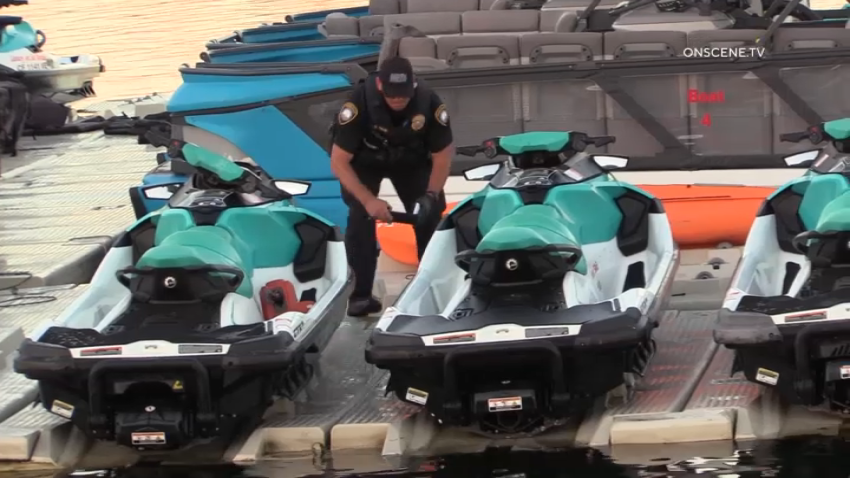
64,78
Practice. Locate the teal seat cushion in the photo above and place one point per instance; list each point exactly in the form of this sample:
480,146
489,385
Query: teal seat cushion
818,193
535,225
835,215
172,221
205,245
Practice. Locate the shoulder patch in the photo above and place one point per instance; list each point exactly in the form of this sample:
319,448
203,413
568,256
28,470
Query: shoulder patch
442,115
348,113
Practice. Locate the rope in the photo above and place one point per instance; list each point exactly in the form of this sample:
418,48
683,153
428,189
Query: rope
19,298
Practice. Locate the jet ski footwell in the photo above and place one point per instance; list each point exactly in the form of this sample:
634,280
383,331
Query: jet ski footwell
687,395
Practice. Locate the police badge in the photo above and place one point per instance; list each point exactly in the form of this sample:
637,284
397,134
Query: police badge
347,113
418,122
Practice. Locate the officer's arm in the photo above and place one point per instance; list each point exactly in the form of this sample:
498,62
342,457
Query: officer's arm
440,141
347,140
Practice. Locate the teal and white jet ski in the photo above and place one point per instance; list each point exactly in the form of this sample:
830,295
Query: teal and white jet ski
200,315
536,296
787,311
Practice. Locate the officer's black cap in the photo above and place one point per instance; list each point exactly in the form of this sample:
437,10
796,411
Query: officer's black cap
396,75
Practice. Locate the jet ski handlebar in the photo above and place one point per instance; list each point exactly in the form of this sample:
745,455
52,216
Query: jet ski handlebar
231,276
465,258
578,142
800,242
815,135
582,141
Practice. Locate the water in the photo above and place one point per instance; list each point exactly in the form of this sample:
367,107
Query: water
143,43
798,458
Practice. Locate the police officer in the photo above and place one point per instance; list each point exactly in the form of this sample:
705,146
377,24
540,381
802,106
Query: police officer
396,128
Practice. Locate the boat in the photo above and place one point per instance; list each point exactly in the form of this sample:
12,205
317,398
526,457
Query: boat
506,72
352,34
61,78
536,296
785,313
193,323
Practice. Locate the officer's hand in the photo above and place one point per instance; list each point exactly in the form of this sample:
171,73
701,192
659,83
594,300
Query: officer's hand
429,205
378,209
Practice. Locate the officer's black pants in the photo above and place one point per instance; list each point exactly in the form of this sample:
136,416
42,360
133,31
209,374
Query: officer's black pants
361,241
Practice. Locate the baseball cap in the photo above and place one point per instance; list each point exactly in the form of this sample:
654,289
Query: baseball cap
396,76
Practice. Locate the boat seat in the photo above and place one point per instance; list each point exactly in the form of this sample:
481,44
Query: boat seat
662,96
557,21
477,22
433,24
431,6
205,245
534,225
341,26
481,111
387,7
829,98
392,7
371,26
562,105
577,5
747,105
491,22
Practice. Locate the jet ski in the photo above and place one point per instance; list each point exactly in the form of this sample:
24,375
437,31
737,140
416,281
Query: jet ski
61,78
200,316
536,296
786,312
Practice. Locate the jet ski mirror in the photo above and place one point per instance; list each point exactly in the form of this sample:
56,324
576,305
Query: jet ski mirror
611,162
293,188
801,159
482,173
161,191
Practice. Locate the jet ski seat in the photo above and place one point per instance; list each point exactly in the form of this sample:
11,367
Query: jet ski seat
204,245
831,250
531,227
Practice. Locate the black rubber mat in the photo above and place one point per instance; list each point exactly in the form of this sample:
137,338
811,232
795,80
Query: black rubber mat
719,389
684,350
347,387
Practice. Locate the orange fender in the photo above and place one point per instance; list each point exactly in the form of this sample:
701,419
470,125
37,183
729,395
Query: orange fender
699,216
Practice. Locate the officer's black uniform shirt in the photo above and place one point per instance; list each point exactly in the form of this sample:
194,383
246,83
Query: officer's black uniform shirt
352,124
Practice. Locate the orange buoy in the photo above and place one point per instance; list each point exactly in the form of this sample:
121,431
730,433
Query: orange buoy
699,216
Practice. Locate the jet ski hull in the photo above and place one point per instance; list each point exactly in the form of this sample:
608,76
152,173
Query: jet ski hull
544,380
62,78
220,385
785,314
804,363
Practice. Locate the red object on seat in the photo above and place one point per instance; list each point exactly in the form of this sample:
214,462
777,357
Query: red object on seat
278,297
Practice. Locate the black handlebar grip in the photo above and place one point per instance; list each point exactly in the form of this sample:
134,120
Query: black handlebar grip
404,218
794,137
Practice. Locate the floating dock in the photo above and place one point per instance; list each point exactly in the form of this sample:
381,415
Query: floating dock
61,210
